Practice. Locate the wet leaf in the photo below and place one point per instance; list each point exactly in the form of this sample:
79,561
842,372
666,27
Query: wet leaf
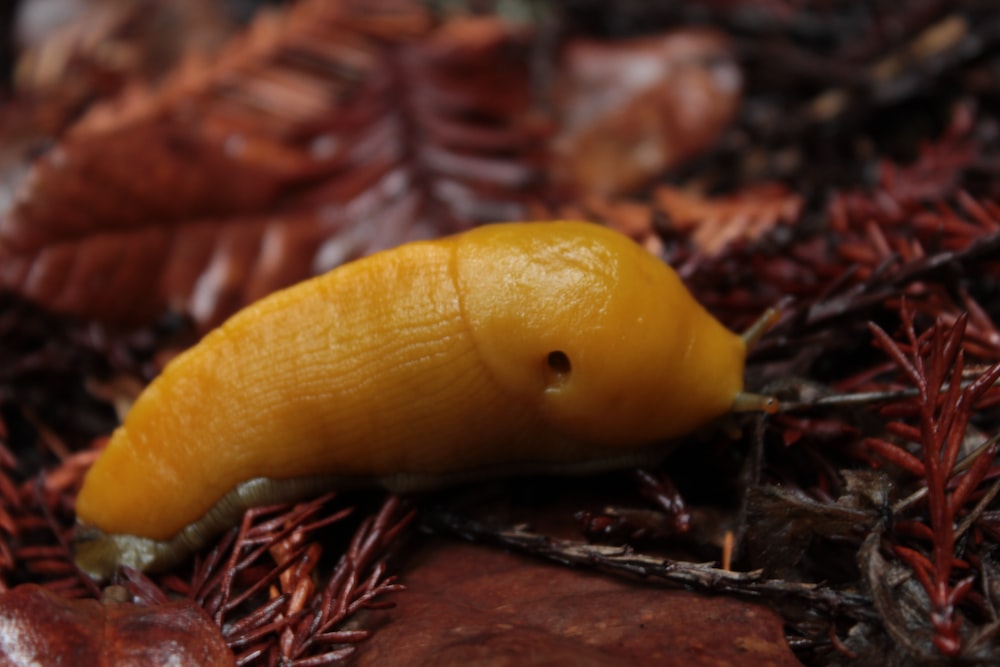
40,627
469,605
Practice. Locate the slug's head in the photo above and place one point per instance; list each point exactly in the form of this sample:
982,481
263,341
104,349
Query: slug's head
602,336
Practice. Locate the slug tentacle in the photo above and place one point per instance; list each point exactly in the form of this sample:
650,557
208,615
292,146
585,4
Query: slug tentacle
760,326
746,402
554,347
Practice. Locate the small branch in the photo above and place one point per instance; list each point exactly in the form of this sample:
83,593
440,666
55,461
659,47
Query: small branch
624,562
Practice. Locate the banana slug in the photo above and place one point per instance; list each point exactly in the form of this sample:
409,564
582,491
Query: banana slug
557,347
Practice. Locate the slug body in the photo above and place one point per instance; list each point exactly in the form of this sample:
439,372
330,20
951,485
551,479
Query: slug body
524,346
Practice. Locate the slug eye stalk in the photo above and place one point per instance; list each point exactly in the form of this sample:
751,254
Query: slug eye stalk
745,401
760,326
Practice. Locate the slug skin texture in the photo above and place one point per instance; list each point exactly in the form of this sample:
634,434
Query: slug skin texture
534,345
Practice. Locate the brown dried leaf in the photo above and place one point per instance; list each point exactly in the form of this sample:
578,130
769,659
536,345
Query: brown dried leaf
42,628
298,148
86,49
469,605
717,222
631,109
74,53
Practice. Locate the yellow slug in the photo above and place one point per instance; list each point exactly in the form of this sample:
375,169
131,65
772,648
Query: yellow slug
557,347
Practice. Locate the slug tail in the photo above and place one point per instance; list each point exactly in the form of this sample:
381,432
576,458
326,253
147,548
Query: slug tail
100,554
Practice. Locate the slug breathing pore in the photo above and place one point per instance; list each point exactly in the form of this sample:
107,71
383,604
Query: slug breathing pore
515,347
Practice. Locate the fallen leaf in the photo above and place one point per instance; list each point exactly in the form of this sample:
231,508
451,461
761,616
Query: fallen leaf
467,605
38,627
630,109
83,49
299,147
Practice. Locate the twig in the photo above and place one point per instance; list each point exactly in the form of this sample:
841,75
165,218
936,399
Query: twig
624,562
